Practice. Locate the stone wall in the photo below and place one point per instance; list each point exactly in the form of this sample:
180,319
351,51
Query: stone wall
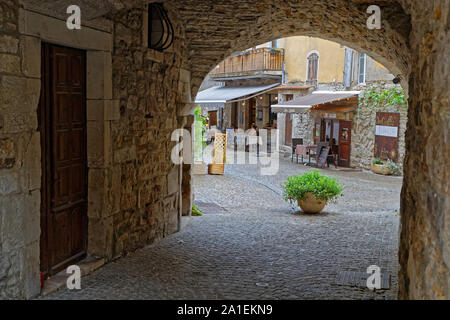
425,201
136,98
149,87
363,129
303,127
19,159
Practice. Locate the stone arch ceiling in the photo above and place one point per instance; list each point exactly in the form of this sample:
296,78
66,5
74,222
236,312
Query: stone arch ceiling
215,29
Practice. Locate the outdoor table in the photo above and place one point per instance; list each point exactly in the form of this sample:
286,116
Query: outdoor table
305,150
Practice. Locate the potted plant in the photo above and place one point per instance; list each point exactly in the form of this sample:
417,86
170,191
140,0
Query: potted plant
378,167
388,168
311,190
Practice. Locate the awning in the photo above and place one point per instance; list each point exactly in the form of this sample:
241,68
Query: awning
219,95
286,87
317,98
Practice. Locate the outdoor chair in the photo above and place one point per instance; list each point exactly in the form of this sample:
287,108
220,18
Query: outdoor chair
295,142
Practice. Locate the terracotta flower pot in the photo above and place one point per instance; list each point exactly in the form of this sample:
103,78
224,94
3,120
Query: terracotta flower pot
380,169
310,204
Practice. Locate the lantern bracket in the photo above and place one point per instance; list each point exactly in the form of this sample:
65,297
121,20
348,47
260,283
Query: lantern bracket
160,29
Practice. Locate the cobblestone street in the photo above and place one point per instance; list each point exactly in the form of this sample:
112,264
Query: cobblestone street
258,247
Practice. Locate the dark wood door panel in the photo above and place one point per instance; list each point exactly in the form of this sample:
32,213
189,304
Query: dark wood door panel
64,225
345,139
288,130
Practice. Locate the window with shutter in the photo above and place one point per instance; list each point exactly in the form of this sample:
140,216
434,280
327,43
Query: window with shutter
313,68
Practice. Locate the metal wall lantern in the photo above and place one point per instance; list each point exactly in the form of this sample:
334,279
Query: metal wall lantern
160,29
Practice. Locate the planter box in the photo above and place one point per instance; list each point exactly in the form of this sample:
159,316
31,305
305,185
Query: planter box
217,169
199,168
380,169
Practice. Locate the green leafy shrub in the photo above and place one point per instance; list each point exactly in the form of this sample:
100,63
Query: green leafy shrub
390,165
387,97
377,161
200,125
322,187
393,168
196,211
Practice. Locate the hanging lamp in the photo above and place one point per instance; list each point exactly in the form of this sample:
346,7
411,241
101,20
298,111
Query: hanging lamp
160,29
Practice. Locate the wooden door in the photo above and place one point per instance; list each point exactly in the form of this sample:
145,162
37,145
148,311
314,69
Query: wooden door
288,130
62,123
212,115
386,135
345,140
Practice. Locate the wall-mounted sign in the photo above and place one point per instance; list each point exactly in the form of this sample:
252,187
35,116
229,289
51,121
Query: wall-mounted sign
330,115
386,135
386,131
260,115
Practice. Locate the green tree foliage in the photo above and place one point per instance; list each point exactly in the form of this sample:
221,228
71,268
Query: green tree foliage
389,97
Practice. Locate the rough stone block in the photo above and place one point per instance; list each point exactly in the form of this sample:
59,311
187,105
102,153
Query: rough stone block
9,63
154,55
103,110
95,110
99,75
12,233
99,144
173,184
125,154
56,31
9,44
31,58
9,182
7,153
100,233
32,217
19,99
96,193
32,160
113,204
31,270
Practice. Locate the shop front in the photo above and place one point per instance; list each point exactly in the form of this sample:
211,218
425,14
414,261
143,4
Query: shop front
326,118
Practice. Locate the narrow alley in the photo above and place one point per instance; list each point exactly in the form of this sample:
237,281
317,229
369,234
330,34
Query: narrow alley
251,244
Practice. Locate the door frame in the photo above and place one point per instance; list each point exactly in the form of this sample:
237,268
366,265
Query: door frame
98,44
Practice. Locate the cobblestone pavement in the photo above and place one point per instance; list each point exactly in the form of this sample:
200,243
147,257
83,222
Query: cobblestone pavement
260,247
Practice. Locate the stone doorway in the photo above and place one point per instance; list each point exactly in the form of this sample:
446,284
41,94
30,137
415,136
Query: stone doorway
62,125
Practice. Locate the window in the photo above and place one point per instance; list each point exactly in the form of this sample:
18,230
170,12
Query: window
275,44
362,68
313,68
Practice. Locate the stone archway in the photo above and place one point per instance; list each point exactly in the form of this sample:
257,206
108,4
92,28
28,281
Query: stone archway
154,89
413,43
